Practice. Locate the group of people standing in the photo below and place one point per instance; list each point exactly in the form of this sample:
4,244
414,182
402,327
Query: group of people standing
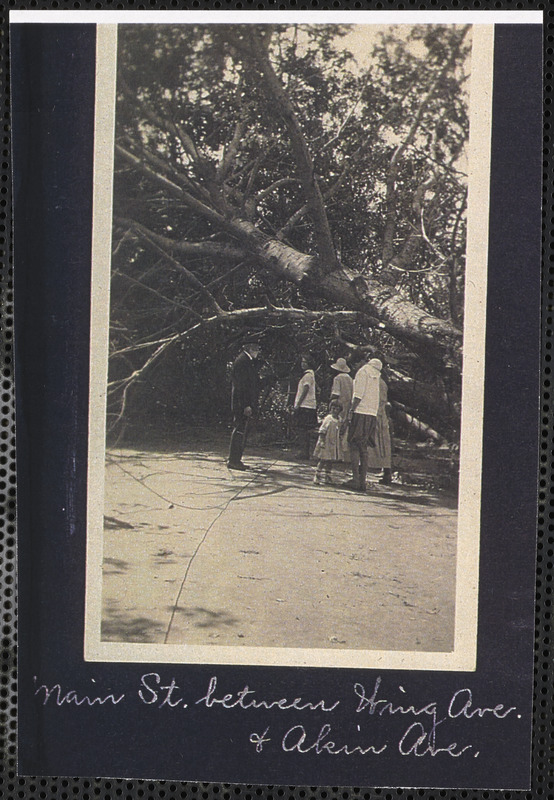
355,429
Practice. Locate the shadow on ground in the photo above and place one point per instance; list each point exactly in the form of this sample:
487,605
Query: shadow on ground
122,626
204,617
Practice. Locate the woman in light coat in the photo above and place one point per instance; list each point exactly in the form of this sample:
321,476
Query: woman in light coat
380,455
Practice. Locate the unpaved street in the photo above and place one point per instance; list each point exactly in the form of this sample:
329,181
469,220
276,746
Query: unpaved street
196,554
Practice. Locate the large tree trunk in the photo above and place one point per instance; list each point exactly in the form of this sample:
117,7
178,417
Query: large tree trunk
431,401
426,334
312,192
429,335
434,338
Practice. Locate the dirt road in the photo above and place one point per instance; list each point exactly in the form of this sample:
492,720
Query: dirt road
196,554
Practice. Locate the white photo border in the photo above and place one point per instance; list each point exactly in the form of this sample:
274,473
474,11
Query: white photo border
463,657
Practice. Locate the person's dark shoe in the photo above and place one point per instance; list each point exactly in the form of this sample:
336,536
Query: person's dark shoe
238,466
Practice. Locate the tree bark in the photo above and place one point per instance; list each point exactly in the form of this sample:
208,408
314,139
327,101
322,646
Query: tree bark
413,422
192,249
431,336
428,335
428,400
277,95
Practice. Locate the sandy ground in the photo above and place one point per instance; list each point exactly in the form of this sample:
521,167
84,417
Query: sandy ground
197,554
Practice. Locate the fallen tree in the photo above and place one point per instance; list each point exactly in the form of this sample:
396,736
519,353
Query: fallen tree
257,180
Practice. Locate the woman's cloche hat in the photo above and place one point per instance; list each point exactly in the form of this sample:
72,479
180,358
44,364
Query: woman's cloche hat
340,365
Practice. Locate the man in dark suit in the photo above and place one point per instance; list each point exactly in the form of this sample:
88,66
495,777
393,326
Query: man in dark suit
244,399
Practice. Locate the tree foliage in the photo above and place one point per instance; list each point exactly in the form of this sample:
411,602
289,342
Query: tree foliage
264,180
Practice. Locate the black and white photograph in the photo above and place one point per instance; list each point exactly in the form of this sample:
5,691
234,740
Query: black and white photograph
277,317
288,322
277,295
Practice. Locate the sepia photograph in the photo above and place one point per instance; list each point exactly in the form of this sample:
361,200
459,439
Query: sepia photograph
287,343
278,397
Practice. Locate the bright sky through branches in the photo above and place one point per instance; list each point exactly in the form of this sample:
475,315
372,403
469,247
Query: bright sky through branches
362,39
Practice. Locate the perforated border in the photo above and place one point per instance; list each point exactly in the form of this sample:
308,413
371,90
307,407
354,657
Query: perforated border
13,787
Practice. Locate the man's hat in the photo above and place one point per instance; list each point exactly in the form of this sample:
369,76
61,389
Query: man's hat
253,338
340,365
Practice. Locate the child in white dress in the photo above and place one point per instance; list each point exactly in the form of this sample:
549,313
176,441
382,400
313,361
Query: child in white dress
328,448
